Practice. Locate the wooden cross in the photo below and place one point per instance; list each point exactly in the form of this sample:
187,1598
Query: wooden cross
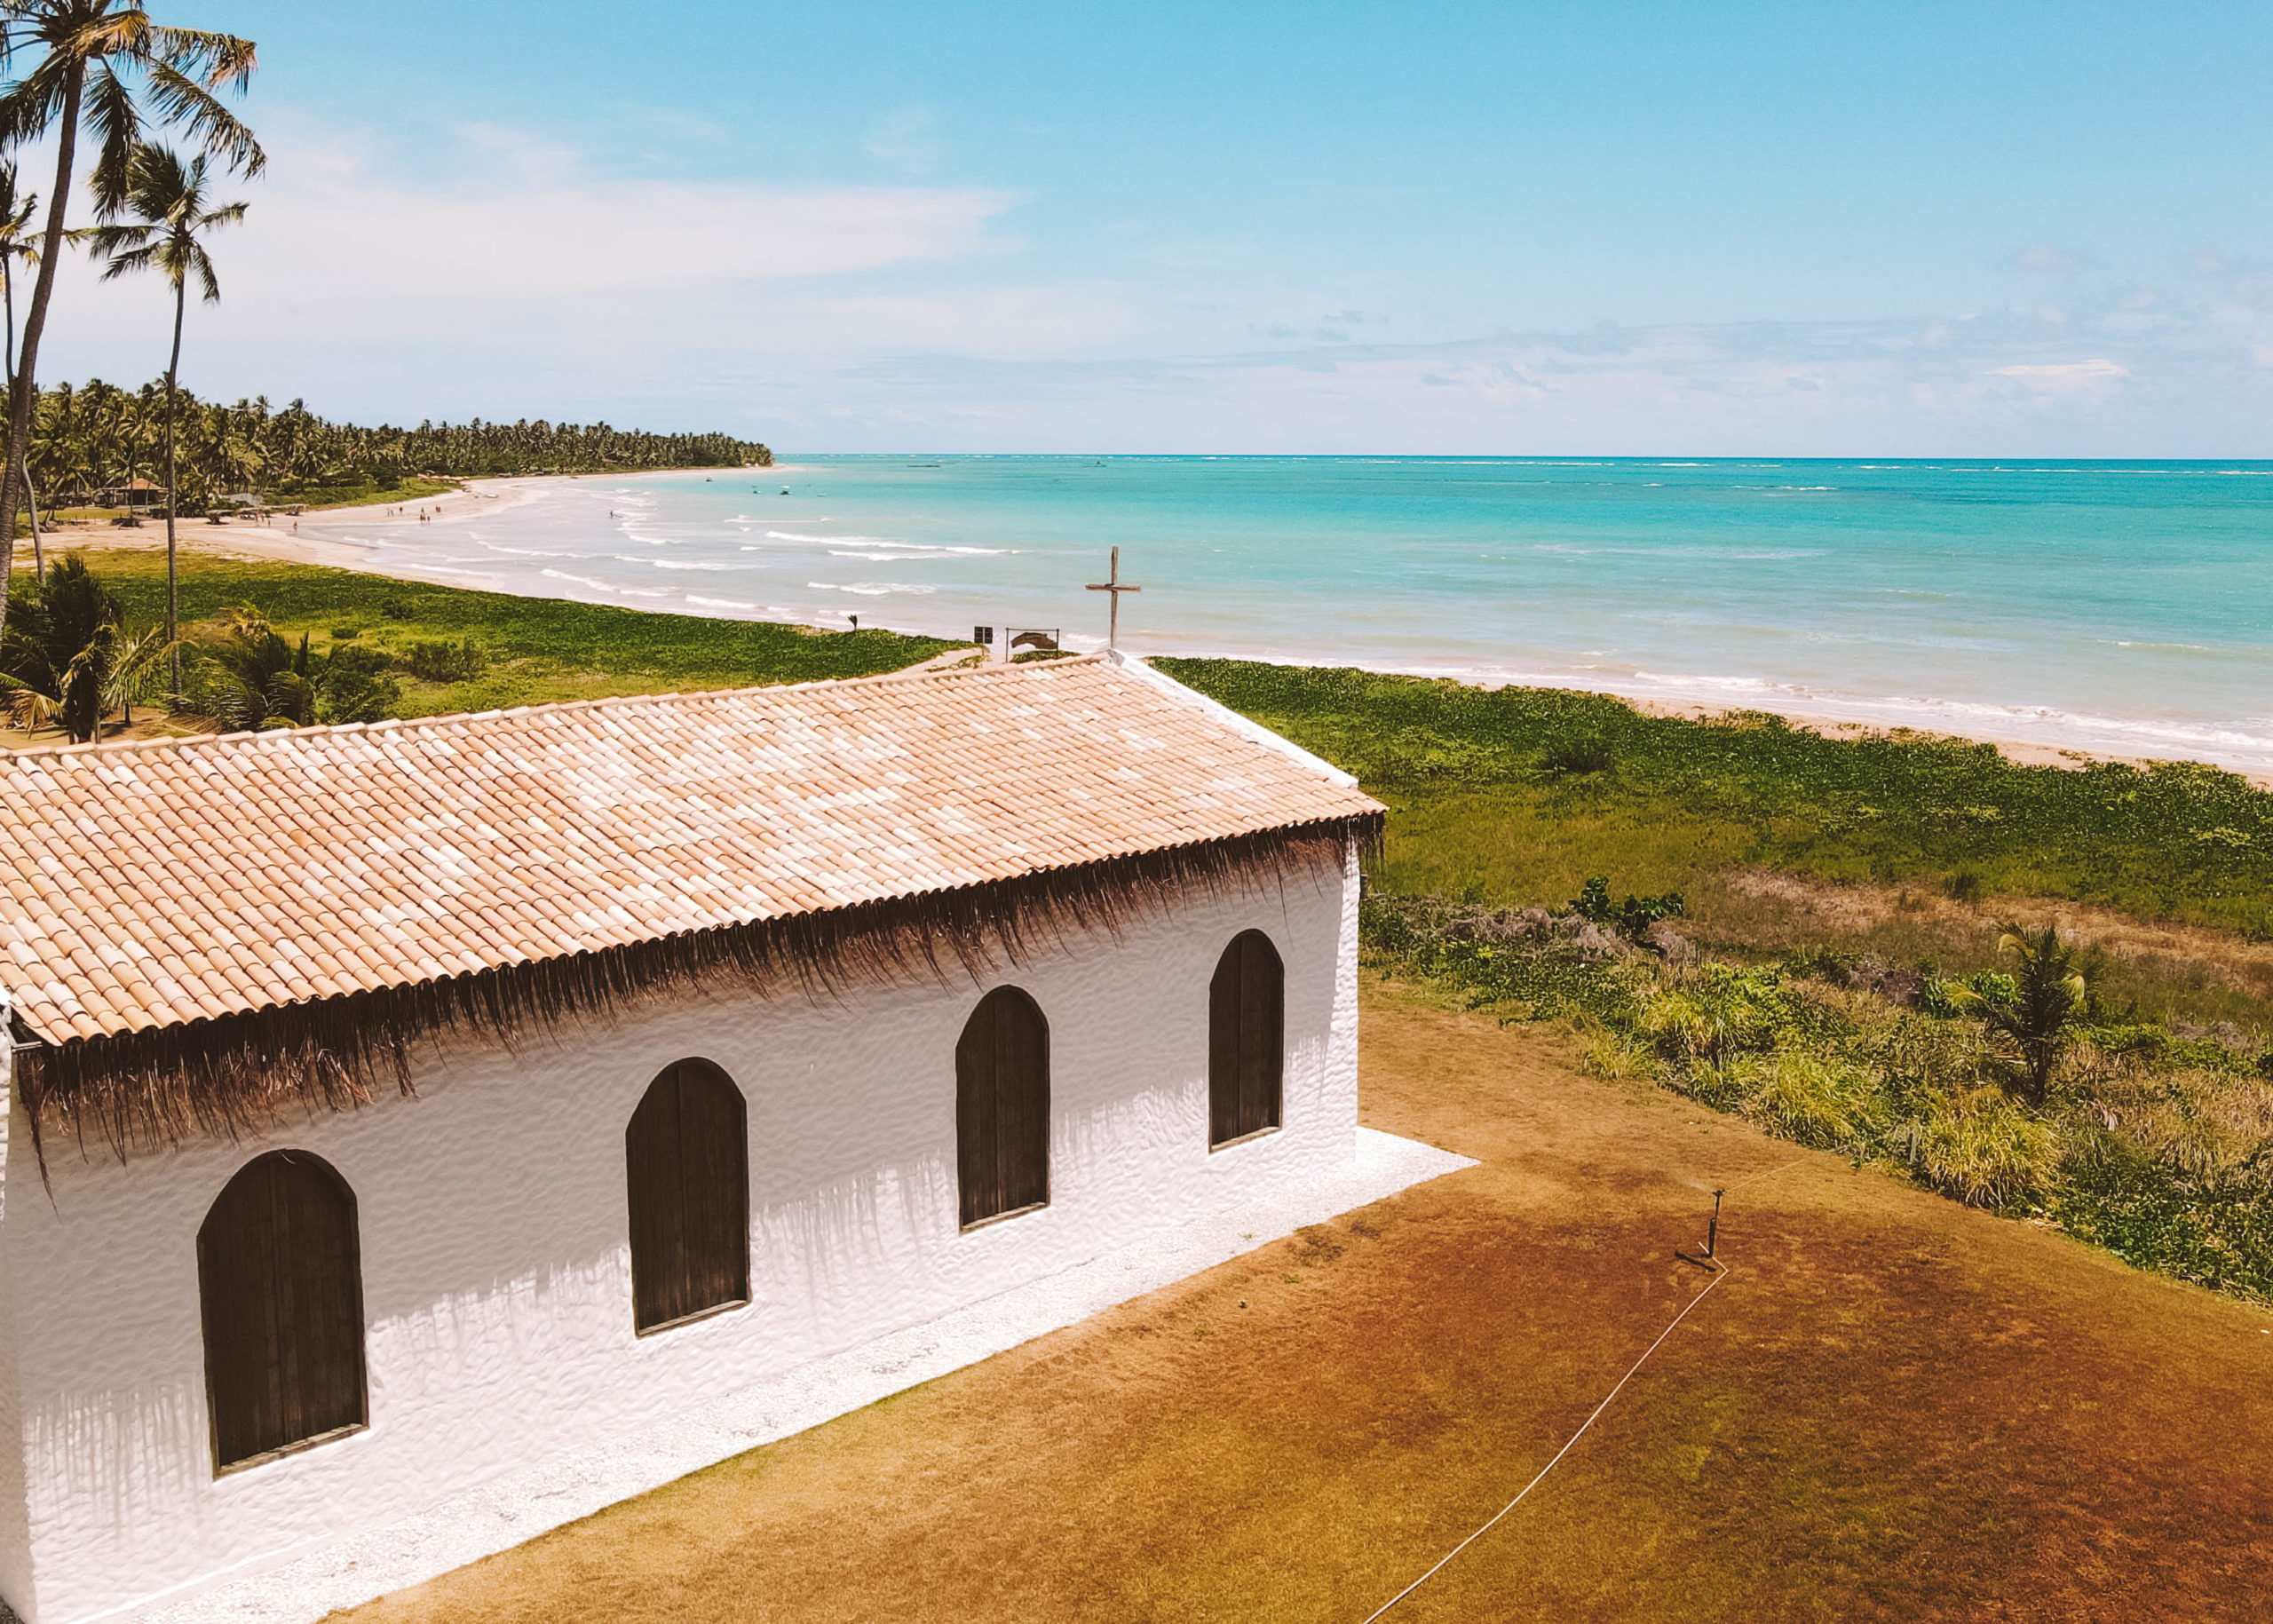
1115,586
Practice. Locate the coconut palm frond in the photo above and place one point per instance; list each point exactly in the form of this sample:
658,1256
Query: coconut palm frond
30,708
181,100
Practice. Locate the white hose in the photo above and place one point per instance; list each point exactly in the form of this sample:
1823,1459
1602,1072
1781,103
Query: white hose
1722,1274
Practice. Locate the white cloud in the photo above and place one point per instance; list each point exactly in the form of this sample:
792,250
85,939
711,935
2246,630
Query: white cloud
2050,259
905,141
2068,377
534,224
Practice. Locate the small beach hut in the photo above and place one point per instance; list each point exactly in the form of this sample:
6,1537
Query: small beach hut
421,1133
136,493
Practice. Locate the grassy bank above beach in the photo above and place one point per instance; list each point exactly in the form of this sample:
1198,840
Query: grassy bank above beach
502,650
1518,794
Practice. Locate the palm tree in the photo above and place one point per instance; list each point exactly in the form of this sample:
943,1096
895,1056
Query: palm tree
55,655
2049,1001
106,64
15,245
168,199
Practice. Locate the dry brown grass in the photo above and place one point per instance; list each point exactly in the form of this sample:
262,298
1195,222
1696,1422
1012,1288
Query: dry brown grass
2182,970
1895,1409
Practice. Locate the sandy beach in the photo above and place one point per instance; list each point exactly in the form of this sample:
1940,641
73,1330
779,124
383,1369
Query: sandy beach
315,537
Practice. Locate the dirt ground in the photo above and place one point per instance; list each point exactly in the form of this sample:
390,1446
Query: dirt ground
1893,1409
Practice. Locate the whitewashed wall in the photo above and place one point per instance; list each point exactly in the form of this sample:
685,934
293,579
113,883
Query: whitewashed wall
496,1269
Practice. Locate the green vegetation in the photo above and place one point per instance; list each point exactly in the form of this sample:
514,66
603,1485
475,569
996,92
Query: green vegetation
1518,794
360,492
355,646
2157,1147
97,438
1830,977
67,658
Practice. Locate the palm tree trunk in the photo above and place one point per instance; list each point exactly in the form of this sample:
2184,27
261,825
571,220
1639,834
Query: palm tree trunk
173,589
19,396
31,506
31,497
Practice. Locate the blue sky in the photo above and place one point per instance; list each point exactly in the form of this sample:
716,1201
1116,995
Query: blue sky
1918,229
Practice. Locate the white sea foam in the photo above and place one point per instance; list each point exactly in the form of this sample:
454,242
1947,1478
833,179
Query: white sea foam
908,553
831,541
562,575
870,588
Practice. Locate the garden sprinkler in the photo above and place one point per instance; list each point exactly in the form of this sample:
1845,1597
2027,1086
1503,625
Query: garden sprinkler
1711,1237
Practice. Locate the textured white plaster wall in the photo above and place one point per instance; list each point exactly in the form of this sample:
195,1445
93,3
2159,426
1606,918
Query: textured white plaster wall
496,1264
15,1525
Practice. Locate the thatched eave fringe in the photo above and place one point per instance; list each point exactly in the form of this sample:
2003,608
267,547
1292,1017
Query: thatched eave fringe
239,1073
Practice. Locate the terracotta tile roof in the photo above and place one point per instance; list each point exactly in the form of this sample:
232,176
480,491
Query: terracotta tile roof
154,883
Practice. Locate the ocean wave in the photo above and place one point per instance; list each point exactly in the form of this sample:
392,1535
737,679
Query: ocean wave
870,588
562,575
912,554
526,552
722,603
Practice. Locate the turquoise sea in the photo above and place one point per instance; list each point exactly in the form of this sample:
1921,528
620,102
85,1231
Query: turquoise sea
2122,607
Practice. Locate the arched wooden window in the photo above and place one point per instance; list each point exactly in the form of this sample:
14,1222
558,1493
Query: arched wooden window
280,1280
1002,1106
1247,1040
687,1169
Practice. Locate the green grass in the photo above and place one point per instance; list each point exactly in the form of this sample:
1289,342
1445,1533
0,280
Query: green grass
1518,794
536,650
363,494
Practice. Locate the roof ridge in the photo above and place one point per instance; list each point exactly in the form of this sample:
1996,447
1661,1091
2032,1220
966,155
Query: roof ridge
917,673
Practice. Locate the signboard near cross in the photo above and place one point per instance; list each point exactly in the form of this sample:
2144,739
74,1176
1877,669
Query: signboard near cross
1115,586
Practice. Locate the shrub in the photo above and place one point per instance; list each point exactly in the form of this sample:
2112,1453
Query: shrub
357,686
1813,1099
1616,1059
442,661
1578,757
1718,1012
1982,1149
1631,918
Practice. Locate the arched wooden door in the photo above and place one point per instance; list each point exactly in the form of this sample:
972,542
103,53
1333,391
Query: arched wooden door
1247,1040
279,1283
687,1173
1002,1106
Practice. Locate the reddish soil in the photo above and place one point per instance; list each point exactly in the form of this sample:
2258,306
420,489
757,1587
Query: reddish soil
1893,1409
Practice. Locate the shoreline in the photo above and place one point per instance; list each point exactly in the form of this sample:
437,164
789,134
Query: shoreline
314,539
